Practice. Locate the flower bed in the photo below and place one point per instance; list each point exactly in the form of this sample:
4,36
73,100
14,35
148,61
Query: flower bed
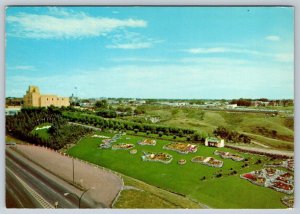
182,161
272,178
122,146
157,157
106,143
100,136
147,142
289,164
209,161
227,155
133,151
183,148
288,201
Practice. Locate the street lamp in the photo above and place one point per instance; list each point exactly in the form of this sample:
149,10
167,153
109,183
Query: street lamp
78,197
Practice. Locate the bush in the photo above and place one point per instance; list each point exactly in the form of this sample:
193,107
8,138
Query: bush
174,137
136,131
160,133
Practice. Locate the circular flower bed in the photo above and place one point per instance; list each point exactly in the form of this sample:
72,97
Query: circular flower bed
182,161
133,151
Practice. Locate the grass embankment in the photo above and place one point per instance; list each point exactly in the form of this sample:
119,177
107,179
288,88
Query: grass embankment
228,191
148,196
274,131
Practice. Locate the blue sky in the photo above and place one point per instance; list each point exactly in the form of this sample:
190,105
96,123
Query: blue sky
151,52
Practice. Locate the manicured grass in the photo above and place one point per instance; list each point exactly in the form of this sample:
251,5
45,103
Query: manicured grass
229,191
42,133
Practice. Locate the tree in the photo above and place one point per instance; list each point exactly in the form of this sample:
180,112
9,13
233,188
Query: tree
180,133
160,133
101,104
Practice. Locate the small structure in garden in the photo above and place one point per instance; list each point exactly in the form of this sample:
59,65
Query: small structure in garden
122,146
278,180
214,142
209,161
133,151
182,162
183,148
288,201
289,164
157,157
147,142
227,155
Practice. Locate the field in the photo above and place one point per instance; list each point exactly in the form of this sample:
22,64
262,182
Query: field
225,191
275,131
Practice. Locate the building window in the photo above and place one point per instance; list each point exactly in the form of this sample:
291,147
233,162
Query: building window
47,99
52,98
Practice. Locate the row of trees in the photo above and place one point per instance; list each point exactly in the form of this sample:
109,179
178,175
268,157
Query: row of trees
60,133
125,125
231,136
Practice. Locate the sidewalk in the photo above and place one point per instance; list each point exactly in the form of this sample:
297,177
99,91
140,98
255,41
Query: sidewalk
107,184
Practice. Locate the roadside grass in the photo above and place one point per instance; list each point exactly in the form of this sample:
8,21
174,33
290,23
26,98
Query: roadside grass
228,191
42,133
148,196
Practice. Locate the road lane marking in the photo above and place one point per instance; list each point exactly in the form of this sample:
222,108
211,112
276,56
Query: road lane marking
37,196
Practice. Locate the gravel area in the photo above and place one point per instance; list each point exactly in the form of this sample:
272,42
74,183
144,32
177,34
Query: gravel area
107,184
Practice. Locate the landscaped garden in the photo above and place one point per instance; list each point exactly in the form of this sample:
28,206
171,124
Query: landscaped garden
182,148
219,187
273,178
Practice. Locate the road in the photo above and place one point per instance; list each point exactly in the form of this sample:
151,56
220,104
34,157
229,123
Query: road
30,186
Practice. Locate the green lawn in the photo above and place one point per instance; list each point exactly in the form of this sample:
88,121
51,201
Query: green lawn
229,191
42,133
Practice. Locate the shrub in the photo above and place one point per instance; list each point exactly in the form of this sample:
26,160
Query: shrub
160,133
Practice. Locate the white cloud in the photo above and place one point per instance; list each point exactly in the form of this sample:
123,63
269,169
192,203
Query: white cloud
209,80
284,57
131,45
272,38
131,40
66,24
22,68
138,59
206,50
213,50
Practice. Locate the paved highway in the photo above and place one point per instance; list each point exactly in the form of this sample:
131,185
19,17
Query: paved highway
30,186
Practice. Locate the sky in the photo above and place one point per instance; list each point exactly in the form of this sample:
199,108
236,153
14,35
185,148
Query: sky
151,52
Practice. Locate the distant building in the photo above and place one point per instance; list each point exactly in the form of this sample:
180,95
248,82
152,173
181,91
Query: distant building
33,98
214,142
231,106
